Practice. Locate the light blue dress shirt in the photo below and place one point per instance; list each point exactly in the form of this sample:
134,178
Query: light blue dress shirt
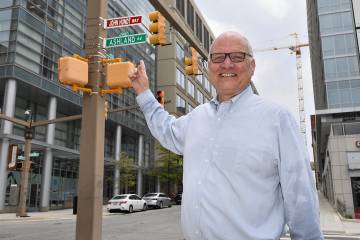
246,169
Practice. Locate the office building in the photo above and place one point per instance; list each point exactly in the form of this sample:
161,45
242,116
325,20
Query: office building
33,35
334,31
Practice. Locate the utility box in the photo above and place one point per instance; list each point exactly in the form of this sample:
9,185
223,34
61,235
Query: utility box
14,195
72,71
117,75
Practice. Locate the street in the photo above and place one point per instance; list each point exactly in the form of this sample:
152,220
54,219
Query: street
160,224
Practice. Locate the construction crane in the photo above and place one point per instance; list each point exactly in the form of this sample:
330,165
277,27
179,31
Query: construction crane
297,50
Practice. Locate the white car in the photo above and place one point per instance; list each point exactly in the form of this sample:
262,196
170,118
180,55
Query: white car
126,202
158,200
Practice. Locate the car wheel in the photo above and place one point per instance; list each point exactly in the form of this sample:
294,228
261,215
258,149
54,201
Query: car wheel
131,209
169,205
161,205
111,210
144,207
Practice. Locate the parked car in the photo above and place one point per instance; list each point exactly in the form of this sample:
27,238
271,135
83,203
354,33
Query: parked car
177,198
126,202
158,200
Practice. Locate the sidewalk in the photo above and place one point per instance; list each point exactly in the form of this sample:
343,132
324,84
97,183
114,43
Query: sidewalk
63,214
332,222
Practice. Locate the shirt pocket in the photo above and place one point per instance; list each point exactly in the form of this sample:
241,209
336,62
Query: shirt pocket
258,161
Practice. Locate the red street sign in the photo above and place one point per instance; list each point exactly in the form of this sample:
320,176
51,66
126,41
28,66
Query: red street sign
122,22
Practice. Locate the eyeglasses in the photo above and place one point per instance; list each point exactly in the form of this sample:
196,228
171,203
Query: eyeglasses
235,57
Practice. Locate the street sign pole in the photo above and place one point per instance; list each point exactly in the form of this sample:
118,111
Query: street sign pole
91,169
25,173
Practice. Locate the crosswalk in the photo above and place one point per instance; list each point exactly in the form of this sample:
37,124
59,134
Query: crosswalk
329,235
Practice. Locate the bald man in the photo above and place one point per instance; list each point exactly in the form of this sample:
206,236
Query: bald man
246,169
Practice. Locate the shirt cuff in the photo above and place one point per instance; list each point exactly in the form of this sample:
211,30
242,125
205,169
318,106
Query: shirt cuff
144,98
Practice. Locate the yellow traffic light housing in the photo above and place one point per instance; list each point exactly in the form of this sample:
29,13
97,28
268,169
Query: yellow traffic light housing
157,28
191,63
117,75
160,97
72,71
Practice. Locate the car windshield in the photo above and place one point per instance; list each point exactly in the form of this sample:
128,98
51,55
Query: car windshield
150,195
120,197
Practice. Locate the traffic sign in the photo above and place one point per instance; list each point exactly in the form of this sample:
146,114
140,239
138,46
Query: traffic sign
122,22
125,40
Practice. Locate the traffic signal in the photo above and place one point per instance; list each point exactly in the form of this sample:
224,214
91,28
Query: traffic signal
191,62
160,97
72,71
117,74
157,28
19,165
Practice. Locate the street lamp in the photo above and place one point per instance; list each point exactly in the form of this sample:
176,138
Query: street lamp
26,166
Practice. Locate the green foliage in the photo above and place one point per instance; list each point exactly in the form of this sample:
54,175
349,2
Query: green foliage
168,165
127,169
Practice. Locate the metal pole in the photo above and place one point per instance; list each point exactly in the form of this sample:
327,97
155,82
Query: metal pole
25,174
91,169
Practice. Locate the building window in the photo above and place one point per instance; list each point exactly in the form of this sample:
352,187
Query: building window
180,78
341,67
180,5
190,88
199,78
341,44
200,97
180,104
180,55
207,84
190,108
333,5
336,23
206,39
190,15
199,28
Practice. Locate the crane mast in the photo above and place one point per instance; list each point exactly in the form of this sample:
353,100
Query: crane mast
297,50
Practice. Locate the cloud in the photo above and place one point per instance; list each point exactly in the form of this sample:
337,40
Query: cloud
278,9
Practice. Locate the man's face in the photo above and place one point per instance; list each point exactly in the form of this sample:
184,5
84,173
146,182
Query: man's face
230,78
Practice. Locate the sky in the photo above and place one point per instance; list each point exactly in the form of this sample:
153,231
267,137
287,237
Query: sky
266,24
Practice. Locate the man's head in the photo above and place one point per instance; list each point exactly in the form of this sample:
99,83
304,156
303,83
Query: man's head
231,64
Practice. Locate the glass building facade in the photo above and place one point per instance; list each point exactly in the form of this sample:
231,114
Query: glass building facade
33,35
340,53
333,27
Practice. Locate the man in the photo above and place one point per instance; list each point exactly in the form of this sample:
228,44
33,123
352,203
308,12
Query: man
246,168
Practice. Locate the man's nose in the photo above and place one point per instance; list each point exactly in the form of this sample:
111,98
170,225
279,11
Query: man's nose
227,62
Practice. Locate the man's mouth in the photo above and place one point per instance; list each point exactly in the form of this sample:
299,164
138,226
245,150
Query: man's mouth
228,74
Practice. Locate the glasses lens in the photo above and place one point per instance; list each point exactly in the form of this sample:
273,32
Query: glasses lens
237,56
218,57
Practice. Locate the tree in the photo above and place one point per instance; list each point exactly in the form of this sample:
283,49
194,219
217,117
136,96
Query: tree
127,168
167,166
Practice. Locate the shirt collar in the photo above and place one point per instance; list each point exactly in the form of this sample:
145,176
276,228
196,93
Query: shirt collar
246,92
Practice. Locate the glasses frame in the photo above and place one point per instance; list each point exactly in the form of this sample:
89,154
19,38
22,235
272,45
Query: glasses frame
229,55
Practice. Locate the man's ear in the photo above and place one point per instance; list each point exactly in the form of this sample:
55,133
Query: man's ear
252,66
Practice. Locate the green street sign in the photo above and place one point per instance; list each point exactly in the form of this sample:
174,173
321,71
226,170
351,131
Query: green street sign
125,40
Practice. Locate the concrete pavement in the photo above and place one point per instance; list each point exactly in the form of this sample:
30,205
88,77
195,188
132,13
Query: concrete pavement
331,221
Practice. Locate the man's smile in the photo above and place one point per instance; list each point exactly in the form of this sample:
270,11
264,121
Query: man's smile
227,74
